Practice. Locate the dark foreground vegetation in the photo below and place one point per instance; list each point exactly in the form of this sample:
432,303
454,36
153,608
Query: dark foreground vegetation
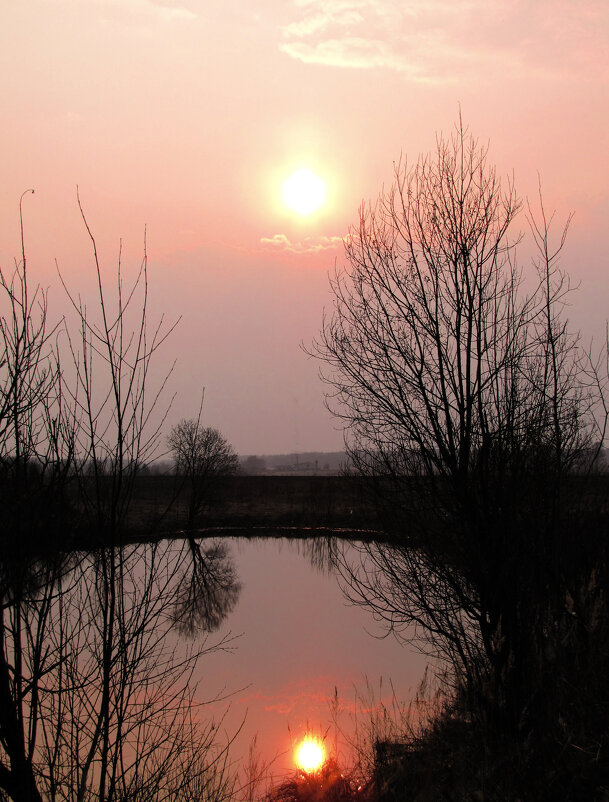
327,784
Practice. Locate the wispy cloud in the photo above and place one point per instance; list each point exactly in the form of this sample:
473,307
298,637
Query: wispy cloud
291,695
160,10
350,52
298,695
280,242
437,40
173,10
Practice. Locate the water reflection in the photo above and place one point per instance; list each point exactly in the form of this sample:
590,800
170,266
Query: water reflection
209,589
319,551
306,657
98,698
108,660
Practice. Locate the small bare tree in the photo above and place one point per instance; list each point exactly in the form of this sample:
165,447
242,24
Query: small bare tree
201,455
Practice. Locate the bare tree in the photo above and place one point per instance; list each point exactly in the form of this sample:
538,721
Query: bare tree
201,455
36,459
118,413
96,694
467,403
36,435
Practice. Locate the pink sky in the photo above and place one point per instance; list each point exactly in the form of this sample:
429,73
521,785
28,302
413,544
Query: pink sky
186,116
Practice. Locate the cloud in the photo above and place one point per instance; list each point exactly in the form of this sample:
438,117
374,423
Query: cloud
349,52
173,10
293,695
280,242
442,41
284,705
302,694
163,11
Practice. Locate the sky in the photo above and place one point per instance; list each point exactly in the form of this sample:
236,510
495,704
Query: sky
182,118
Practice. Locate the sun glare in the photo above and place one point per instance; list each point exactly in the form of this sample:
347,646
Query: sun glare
304,192
310,754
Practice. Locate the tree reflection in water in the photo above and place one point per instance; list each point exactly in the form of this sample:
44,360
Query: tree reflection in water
97,695
209,589
319,550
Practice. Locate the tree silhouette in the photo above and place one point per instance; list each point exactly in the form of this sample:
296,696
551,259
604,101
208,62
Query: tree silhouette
469,406
96,691
201,455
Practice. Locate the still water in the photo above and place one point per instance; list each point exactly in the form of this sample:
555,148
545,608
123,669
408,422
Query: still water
138,664
303,658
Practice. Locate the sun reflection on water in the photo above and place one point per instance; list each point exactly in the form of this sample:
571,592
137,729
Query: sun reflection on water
310,754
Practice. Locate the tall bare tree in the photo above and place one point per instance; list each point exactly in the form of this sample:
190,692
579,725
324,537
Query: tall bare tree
36,435
118,412
467,403
36,459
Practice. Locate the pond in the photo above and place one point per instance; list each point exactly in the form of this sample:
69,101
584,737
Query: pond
107,663
304,658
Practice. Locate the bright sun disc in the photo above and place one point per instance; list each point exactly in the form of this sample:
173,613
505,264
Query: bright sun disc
304,192
310,754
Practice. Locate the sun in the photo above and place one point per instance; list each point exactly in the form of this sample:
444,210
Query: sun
310,754
304,192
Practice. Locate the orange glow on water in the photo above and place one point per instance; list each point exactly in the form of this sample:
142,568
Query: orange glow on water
310,754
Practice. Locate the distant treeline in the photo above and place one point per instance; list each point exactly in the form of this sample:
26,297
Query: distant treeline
307,463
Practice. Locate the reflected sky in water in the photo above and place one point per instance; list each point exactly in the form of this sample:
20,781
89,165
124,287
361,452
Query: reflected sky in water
298,640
